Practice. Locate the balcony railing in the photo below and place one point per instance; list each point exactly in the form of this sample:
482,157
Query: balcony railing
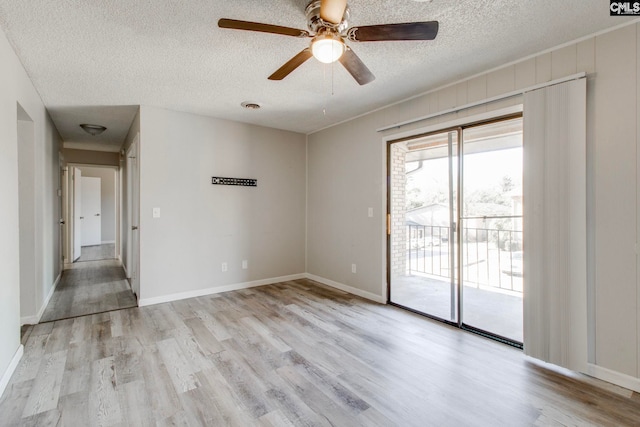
491,257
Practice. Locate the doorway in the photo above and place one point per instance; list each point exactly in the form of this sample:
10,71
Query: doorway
93,206
132,246
455,227
90,211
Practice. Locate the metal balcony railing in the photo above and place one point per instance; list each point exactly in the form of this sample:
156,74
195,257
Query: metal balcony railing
491,257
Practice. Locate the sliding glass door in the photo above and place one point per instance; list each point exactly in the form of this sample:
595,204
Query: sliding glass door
491,223
423,211
455,227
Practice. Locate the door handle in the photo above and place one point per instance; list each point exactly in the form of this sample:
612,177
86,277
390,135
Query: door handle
134,227
81,217
97,214
389,224
62,222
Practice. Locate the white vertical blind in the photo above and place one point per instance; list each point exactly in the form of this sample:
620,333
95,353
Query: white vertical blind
555,253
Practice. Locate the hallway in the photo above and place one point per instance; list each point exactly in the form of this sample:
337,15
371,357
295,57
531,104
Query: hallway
89,288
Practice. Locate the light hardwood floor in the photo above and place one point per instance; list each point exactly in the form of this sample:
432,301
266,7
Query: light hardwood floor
293,353
90,288
97,252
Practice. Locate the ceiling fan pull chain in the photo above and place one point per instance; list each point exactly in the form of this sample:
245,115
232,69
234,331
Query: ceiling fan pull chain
324,93
332,78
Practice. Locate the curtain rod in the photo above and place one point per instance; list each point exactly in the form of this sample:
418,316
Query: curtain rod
577,76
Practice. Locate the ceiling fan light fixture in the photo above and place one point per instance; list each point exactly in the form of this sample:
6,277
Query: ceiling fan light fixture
93,130
327,48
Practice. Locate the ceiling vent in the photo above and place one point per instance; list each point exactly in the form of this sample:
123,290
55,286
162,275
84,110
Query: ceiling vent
250,105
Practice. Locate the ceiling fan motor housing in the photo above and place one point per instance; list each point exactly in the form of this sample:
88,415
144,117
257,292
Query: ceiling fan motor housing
317,24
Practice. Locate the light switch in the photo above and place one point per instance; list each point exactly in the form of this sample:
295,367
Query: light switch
370,212
156,212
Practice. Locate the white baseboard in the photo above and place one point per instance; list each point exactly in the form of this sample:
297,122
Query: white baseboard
107,242
32,320
6,377
216,290
347,288
237,286
623,380
29,320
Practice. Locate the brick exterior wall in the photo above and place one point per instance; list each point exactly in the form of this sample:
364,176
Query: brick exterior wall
398,210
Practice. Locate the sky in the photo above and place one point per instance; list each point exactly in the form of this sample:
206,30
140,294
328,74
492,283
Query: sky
481,170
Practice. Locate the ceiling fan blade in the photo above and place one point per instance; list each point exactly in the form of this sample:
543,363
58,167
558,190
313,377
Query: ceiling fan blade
293,63
356,67
394,32
263,28
332,10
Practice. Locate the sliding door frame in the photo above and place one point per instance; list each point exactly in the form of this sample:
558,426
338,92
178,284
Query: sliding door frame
452,232
457,218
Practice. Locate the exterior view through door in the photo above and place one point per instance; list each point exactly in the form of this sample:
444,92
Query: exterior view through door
455,235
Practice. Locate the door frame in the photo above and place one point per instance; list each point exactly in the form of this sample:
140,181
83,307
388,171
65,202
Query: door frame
132,168
456,125
76,211
457,203
64,215
68,218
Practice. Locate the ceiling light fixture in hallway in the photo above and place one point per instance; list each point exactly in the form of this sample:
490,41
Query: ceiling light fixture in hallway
93,130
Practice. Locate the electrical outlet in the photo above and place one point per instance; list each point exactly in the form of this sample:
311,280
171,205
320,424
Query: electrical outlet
353,268
224,266
245,264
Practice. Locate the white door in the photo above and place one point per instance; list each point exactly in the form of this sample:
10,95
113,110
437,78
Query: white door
91,210
133,216
77,207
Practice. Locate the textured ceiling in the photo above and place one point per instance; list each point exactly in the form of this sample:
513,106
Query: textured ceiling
88,59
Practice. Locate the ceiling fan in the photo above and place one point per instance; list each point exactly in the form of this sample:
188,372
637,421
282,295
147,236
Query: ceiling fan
327,21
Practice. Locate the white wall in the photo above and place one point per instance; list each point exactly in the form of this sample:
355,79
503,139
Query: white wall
107,199
16,88
49,213
26,194
90,157
345,179
346,175
203,225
